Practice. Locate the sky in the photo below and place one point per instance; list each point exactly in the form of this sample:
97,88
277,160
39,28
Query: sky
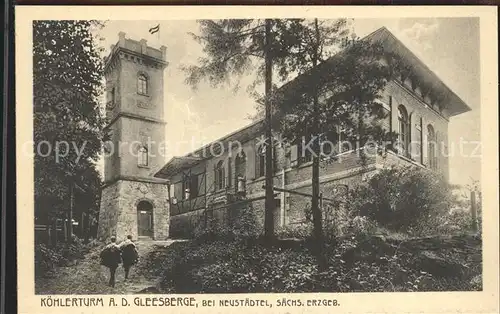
448,46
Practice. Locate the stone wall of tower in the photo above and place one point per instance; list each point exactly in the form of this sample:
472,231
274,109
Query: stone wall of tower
118,214
134,134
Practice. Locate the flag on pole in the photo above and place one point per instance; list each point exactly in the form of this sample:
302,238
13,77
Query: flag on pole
154,29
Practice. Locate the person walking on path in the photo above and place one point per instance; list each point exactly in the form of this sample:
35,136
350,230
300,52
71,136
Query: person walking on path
111,258
129,254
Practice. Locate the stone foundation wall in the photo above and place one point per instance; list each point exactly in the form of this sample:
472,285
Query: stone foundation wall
118,212
109,211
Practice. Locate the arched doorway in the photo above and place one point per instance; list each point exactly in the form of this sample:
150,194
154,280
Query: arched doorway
144,219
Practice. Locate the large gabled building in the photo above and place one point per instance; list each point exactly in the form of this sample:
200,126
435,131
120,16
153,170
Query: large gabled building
213,180
418,106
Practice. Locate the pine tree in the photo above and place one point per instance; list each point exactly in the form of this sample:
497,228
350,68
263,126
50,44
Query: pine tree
234,48
338,85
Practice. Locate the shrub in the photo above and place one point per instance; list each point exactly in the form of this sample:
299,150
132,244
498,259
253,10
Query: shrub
403,199
236,222
48,258
302,230
339,220
357,263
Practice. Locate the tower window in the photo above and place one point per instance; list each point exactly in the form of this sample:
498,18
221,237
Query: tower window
143,157
142,84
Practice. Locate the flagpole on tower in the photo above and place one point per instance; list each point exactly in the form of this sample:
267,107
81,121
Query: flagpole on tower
155,30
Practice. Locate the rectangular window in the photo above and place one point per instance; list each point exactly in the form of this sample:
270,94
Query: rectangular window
304,151
262,164
143,157
418,143
193,186
229,172
185,189
178,190
142,85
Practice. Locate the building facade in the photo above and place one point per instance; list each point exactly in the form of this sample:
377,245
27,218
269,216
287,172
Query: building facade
208,181
133,201
220,178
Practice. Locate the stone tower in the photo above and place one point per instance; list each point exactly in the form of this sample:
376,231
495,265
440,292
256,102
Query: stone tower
133,201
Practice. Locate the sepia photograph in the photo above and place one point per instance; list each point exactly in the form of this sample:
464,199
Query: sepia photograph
251,156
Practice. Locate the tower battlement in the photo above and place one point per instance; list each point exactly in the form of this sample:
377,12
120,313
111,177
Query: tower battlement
138,49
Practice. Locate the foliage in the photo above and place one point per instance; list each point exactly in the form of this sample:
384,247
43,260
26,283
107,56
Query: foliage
404,199
67,84
348,97
339,220
357,263
48,258
239,222
235,47
333,89
301,230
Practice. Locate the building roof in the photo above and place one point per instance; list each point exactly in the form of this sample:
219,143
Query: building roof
178,163
453,103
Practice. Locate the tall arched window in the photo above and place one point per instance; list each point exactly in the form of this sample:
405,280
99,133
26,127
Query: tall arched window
418,141
142,84
403,130
219,175
143,156
431,147
261,161
239,170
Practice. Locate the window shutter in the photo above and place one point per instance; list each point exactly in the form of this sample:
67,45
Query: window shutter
257,163
215,177
417,149
201,184
391,109
193,186
178,191
294,155
410,130
229,172
437,151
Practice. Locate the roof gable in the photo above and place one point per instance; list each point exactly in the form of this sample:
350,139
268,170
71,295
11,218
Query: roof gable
420,71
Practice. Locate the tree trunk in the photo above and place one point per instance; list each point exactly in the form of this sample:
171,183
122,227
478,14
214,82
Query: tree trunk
47,229
86,229
473,209
316,210
70,214
55,234
65,227
269,200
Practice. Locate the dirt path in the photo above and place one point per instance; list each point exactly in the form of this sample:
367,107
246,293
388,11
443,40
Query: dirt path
89,277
